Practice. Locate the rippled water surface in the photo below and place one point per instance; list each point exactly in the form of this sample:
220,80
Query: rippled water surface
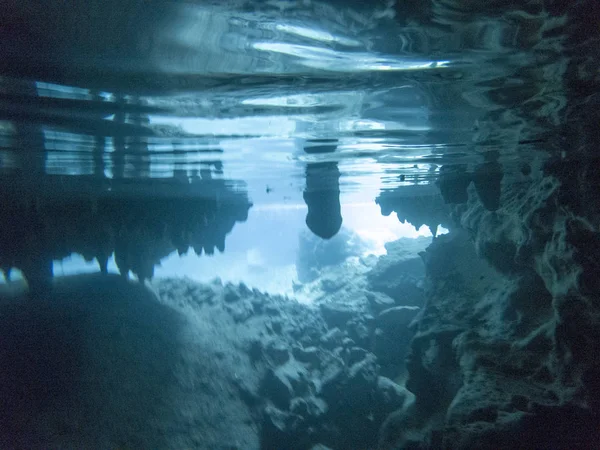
255,91
136,130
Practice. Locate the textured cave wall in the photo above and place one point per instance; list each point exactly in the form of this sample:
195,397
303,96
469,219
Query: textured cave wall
505,352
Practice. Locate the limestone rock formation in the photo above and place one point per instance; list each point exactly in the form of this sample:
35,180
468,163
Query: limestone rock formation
420,210
338,383
399,273
504,346
41,226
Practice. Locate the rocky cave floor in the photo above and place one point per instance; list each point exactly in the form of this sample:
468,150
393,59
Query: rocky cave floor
109,363
485,338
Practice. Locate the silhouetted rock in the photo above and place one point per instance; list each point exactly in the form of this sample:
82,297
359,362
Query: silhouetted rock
453,183
487,180
59,216
417,210
399,274
322,196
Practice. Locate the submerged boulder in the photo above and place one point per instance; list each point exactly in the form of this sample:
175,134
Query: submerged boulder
399,274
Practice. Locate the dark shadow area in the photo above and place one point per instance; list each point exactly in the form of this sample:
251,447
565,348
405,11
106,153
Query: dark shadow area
52,223
88,366
104,200
427,207
322,192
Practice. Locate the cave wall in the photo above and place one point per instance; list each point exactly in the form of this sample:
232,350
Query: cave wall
506,345
505,350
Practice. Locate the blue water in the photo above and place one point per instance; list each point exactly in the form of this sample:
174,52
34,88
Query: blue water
223,100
